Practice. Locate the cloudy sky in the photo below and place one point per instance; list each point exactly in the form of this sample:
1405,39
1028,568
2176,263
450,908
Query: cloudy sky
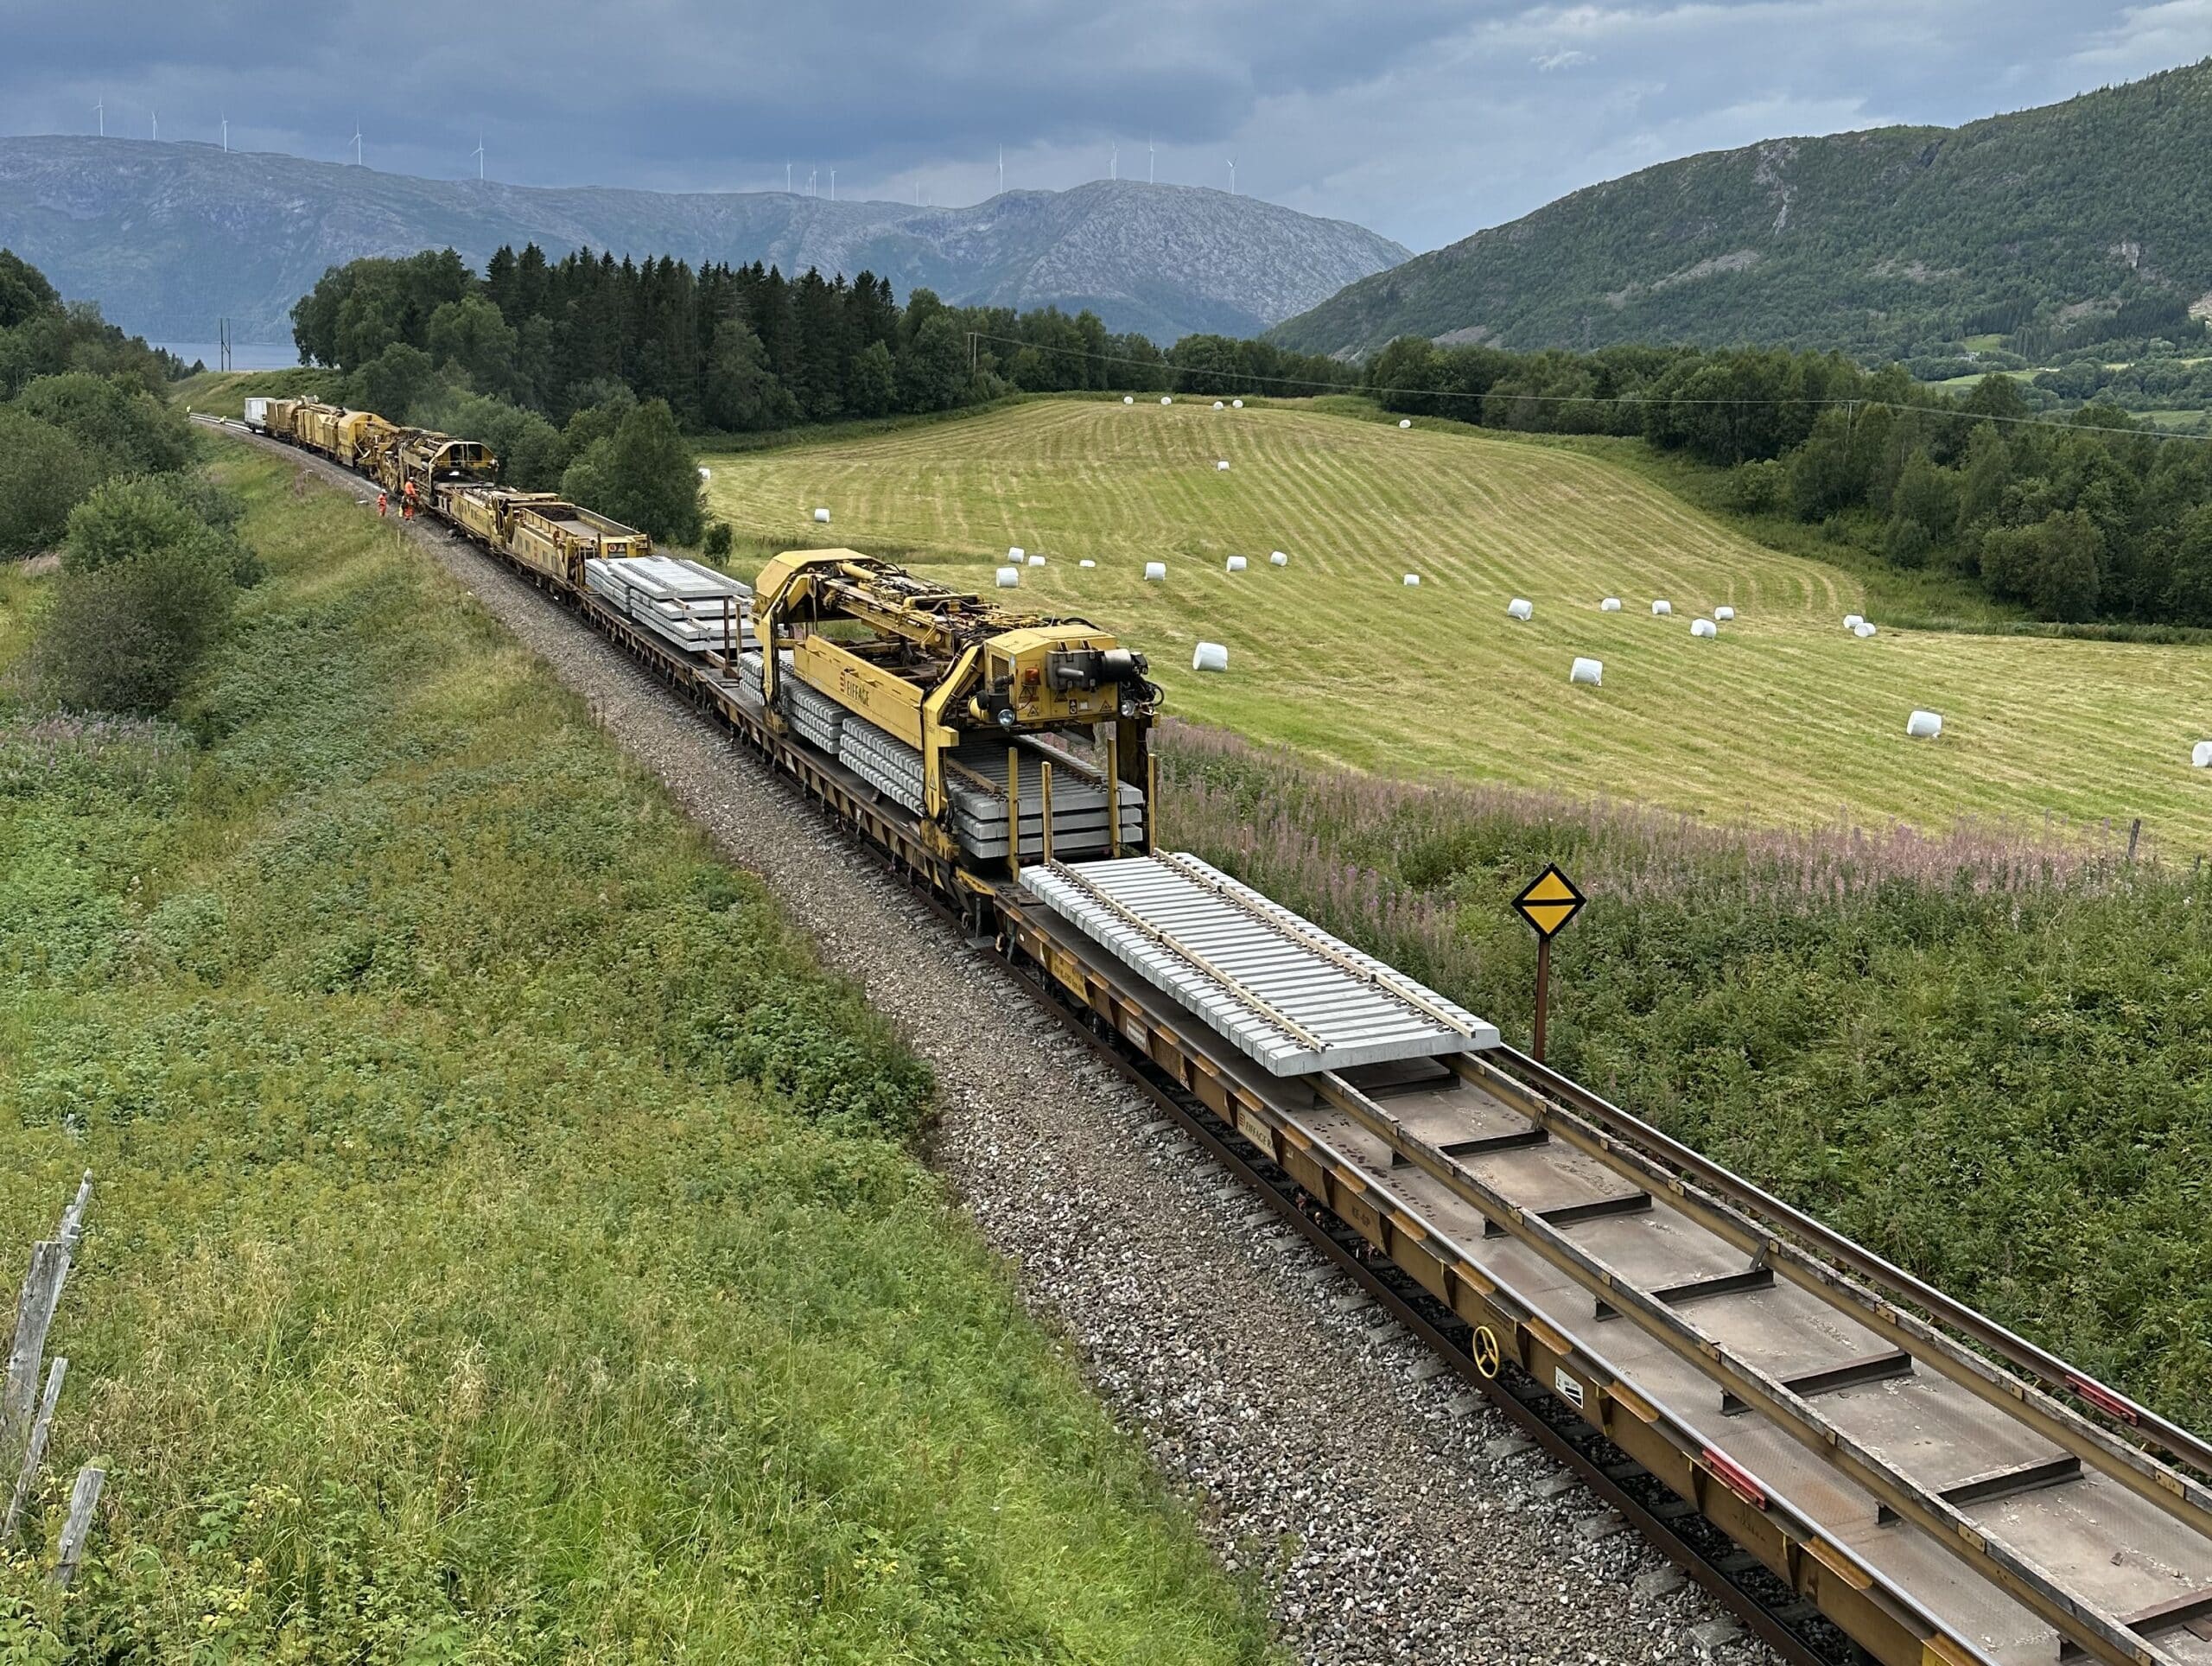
1425,119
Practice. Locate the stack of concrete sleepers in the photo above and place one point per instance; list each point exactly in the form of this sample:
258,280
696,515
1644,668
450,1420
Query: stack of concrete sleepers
884,761
694,606
976,778
815,716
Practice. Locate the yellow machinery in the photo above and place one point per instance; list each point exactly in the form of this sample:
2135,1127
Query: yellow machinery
394,456
542,530
935,669
352,437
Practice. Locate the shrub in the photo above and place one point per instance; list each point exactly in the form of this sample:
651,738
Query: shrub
718,541
114,415
44,474
126,519
127,636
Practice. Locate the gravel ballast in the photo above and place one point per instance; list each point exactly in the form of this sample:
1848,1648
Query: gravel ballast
1389,1515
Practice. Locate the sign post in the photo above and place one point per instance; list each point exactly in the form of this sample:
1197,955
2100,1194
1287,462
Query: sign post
1547,904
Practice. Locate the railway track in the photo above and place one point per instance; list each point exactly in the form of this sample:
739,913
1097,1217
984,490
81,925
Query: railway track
1859,1466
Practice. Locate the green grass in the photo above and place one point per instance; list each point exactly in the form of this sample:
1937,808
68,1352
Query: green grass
506,1247
223,392
1784,718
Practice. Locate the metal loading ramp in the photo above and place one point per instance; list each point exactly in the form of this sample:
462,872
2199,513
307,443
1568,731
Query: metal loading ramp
1282,990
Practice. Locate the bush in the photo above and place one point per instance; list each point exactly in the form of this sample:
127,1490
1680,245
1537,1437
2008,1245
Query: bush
127,636
44,474
718,541
127,518
113,415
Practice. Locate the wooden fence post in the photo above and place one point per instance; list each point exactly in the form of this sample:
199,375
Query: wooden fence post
34,1454
84,1498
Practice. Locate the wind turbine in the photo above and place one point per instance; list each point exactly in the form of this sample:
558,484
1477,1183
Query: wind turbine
479,159
357,141
833,184
787,179
100,109
1232,177
226,136
154,116
1113,166
1151,159
1002,170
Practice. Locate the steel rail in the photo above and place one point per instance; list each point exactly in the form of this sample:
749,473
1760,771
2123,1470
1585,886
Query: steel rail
2053,1372
2101,1635
2170,1490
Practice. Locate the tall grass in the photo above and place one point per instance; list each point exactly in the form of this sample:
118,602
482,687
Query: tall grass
1985,1052
507,1246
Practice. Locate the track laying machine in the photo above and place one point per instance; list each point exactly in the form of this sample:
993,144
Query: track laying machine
958,708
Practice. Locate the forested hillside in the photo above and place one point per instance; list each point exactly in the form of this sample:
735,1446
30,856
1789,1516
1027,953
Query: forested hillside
2075,223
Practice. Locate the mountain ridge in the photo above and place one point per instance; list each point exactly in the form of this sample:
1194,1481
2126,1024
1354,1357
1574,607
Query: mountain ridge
169,237
1886,241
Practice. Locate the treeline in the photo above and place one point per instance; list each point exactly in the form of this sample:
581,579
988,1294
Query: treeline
2070,522
736,349
97,469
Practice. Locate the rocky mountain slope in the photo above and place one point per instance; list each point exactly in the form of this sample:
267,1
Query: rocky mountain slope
168,237
2078,221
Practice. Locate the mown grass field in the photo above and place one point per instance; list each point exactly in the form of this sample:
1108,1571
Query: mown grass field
507,1246
1784,718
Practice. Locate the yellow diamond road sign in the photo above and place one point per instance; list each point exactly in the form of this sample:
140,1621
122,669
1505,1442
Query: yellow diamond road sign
1550,902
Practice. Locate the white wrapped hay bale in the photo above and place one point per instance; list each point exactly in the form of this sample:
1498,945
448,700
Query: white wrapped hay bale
1165,400
1015,552
1864,629
1235,564
1413,581
1009,577
1218,405
1086,563
1723,615
1852,621
1591,672
1036,561
1155,570
1520,608
2200,755
1405,422
1237,404
1210,656
1223,465
1662,609
822,516
1923,726
1609,605
1129,399
1704,628
705,473
1279,559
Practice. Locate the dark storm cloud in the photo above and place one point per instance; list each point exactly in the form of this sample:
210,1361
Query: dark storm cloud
1423,120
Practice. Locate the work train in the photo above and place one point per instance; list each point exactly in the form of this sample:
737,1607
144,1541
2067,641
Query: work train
947,706
1906,1480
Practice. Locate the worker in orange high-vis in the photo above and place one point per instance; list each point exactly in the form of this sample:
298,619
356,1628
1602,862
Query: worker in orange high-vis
407,501
384,503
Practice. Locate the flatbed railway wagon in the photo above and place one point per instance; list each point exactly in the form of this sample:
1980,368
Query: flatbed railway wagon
1862,1467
